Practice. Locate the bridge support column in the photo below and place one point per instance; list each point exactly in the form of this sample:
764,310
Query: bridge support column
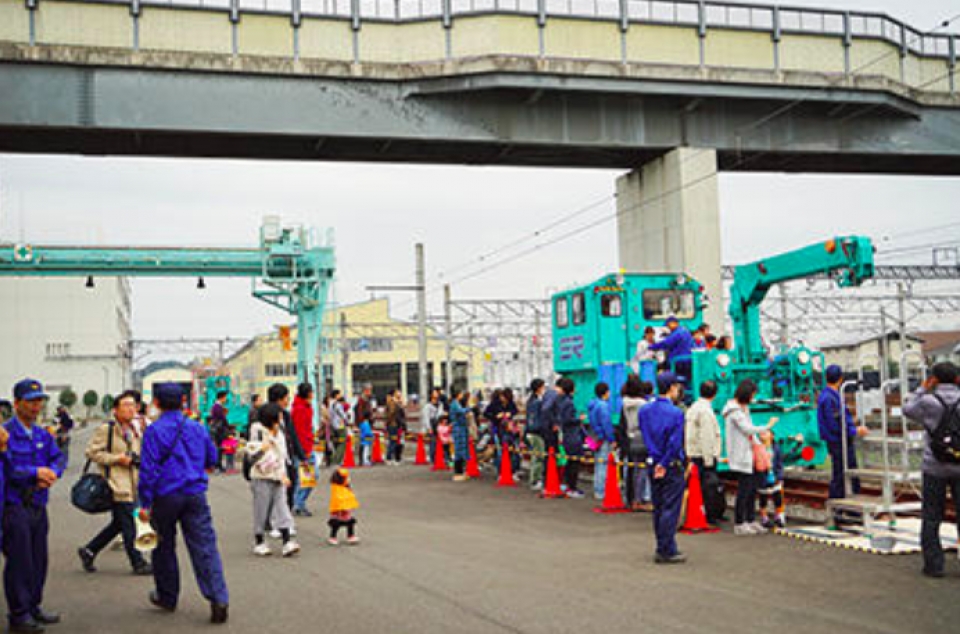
669,221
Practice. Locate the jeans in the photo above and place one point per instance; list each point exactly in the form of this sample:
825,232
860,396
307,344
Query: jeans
121,523
600,469
537,448
836,461
745,511
301,496
667,500
934,506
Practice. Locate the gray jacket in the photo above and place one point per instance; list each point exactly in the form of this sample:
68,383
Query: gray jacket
739,436
925,409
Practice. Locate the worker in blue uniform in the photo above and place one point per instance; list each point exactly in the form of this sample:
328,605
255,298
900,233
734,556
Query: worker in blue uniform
661,424
175,455
834,419
678,345
33,465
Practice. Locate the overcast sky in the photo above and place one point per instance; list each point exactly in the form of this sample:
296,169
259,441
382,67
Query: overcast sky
460,213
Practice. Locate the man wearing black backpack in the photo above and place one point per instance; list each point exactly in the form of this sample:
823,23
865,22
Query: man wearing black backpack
936,405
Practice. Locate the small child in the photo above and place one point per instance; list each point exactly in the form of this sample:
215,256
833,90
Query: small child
771,485
445,435
229,446
342,504
366,443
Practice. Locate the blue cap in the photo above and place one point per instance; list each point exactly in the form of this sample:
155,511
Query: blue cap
834,373
168,392
666,380
671,320
28,390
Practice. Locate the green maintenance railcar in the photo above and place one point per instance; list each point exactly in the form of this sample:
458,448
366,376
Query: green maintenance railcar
596,329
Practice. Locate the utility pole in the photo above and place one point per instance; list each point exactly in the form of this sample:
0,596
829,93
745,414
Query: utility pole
447,340
344,355
422,326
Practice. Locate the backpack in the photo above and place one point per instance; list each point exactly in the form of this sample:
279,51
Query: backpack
945,439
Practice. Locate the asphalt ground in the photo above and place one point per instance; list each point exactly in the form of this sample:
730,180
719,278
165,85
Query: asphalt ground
439,556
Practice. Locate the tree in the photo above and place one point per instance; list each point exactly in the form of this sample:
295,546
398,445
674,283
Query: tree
68,398
106,404
90,400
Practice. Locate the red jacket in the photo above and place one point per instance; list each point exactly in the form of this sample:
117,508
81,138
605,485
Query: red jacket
302,413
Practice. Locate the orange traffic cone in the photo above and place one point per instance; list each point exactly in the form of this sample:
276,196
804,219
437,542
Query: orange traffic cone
421,452
377,454
612,500
551,488
696,520
348,460
439,460
506,469
473,467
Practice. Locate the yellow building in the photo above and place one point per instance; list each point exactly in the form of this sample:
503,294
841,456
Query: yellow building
361,344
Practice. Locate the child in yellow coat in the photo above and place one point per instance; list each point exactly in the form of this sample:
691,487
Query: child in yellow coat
342,504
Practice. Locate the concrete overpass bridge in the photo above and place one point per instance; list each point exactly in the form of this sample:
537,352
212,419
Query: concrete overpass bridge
595,83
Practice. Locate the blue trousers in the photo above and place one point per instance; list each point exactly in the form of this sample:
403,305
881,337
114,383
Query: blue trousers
667,499
192,513
25,533
836,461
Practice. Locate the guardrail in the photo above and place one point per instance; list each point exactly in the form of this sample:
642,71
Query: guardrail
773,19
849,29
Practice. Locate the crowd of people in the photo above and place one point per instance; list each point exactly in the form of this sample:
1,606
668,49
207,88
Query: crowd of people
155,460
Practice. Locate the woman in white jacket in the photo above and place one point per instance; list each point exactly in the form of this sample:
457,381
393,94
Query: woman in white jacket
267,453
740,438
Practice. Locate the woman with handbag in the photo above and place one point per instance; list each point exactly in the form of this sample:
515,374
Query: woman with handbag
115,447
745,456
269,481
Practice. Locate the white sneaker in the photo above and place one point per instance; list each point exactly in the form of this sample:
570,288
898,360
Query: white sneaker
757,528
290,548
537,486
262,550
275,534
742,530
293,531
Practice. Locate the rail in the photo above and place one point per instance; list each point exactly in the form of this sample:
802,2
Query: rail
775,20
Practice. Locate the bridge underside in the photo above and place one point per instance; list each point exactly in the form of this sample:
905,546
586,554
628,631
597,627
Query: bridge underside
495,117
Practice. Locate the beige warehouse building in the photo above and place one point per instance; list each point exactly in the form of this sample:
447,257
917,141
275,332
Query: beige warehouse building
361,344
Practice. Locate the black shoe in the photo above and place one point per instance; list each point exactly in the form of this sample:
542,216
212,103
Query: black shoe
673,559
143,570
218,612
45,618
306,513
86,559
28,626
155,600
936,574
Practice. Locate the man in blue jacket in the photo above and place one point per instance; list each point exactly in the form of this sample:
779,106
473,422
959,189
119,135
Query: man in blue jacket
679,345
33,465
834,419
661,423
601,426
173,490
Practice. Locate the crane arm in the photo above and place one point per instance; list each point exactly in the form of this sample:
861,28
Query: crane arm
847,260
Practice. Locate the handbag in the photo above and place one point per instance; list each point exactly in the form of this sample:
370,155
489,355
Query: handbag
92,493
761,458
308,477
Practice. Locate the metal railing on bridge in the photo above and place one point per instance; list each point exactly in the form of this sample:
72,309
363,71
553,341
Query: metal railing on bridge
773,19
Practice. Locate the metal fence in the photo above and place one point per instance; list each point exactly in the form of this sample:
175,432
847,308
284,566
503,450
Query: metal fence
701,14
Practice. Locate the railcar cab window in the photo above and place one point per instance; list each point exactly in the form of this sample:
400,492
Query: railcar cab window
579,310
660,304
560,310
611,305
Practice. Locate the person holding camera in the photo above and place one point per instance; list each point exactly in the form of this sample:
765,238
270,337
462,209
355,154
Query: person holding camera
115,447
